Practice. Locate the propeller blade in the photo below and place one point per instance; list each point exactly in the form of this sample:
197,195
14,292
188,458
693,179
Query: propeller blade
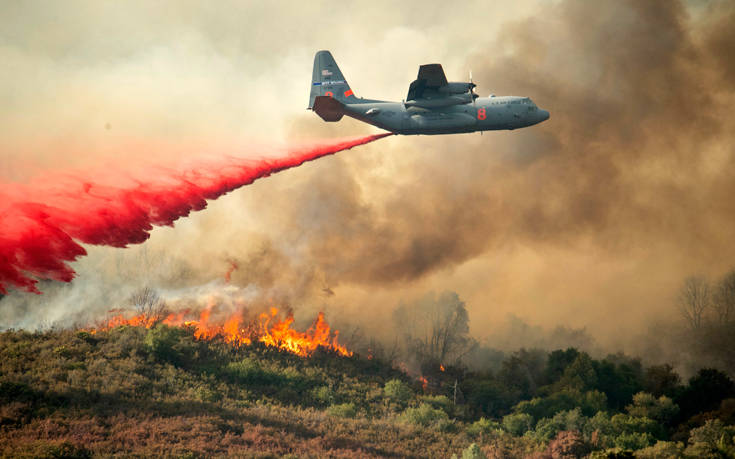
473,96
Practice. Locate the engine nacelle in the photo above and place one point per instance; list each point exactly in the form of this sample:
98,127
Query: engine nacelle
456,88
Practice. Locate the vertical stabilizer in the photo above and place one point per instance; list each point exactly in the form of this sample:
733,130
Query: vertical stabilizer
327,80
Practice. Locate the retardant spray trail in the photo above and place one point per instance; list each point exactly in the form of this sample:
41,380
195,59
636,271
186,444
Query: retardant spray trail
41,227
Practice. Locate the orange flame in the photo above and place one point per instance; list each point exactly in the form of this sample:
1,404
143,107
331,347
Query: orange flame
282,336
266,329
441,367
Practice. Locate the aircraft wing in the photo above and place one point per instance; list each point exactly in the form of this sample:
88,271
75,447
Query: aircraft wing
430,78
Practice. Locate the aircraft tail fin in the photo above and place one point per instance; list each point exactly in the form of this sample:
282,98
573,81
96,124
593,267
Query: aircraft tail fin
327,81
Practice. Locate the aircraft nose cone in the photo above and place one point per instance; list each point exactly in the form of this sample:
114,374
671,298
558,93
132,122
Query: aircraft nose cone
543,115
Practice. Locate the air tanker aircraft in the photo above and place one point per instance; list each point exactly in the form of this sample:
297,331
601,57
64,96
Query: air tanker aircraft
433,105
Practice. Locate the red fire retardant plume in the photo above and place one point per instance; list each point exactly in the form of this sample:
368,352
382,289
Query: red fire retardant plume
42,226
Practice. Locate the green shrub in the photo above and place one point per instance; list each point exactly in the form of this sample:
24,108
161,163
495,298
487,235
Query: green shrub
250,372
323,395
518,423
622,430
548,428
424,416
438,401
166,344
634,440
446,426
473,452
483,427
205,394
397,391
623,423
63,351
86,337
343,410
546,407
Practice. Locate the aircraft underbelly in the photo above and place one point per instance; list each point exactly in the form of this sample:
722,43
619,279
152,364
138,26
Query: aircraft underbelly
442,121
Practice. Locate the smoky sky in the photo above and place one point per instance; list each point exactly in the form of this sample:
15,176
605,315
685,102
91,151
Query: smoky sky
591,219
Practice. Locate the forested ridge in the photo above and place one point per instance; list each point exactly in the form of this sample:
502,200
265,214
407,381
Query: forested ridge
160,391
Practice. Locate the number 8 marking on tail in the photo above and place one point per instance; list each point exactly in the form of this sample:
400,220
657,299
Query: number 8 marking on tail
481,115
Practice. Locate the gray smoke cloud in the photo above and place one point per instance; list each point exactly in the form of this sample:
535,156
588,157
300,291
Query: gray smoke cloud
590,220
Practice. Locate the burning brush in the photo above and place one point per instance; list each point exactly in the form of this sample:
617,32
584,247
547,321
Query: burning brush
265,328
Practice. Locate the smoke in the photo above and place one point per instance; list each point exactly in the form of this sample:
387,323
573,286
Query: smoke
42,222
590,220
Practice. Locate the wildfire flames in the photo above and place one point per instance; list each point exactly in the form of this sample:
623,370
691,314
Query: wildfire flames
266,328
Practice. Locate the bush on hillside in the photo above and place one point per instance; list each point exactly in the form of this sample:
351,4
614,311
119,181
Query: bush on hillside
424,416
397,391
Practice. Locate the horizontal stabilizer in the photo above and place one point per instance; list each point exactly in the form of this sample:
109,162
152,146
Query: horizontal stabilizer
328,108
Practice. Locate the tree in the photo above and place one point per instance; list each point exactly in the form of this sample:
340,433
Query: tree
713,439
645,405
580,374
569,399
568,444
704,392
148,303
661,380
724,298
486,396
435,329
557,362
619,377
523,370
518,423
548,428
694,299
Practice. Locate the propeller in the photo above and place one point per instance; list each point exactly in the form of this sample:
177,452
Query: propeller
473,96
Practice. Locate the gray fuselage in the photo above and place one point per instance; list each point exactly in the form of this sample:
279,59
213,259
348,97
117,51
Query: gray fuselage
485,114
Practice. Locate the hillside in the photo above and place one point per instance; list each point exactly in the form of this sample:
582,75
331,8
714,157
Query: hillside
162,392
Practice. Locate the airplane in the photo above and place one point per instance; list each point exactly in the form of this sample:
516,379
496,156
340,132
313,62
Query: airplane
433,105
